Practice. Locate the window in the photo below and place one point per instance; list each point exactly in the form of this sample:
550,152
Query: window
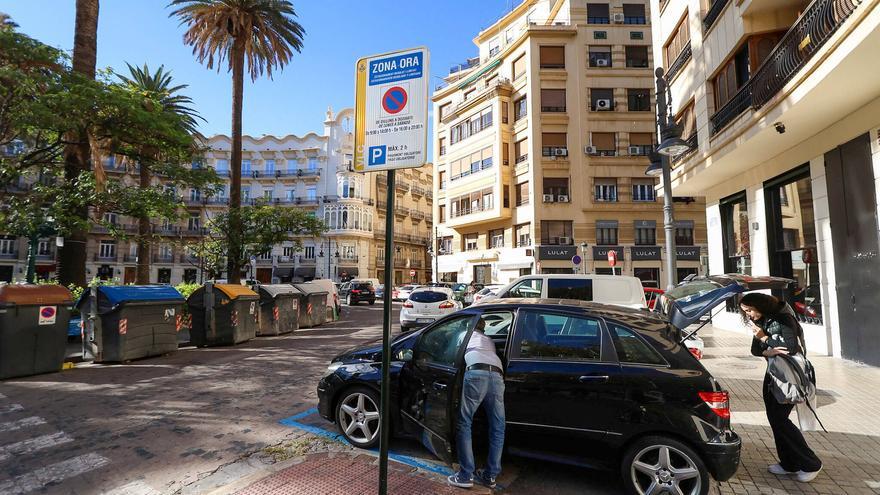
522,235
688,121
474,202
504,110
634,13
287,251
469,127
520,108
606,232
637,56
166,252
442,213
496,238
554,144
291,166
291,195
600,56
732,76
313,163
496,323
43,249
111,218
107,249
445,110
7,245
606,190
528,288
522,194
636,35
684,233
312,193
519,67
267,194
604,143
650,277
470,242
442,146
573,288
309,252
441,176
646,235
470,164
551,336
195,195
469,93
601,99
194,222
506,196
270,166
189,275
521,150
446,245
643,189
164,276
552,100
552,57
598,13
682,273
638,100
678,41
557,187
631,348
735,231
222,165
556,232
245,167
600,35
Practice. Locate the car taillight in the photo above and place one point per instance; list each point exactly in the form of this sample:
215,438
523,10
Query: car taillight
447,305
407,304
718,402
696,352
355,291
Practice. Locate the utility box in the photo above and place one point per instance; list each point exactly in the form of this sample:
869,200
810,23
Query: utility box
313,310
125,322
223,314
279,308
33,328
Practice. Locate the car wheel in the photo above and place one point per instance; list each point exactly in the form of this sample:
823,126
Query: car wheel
659,465
357,417
372,302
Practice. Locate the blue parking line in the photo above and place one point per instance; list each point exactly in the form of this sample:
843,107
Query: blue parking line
293,422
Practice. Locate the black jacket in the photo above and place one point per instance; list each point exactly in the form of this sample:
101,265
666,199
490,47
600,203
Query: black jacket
782,329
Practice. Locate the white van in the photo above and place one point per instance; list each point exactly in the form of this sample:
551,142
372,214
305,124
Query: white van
608,289
374,281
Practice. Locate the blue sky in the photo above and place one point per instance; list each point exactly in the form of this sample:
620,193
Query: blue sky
338,32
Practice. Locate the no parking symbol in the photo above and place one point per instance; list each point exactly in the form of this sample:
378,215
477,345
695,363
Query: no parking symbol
394,100
47,315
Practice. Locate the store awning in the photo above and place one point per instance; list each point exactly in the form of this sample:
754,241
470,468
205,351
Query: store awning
284,273
305,272
473,77
351,271
514,266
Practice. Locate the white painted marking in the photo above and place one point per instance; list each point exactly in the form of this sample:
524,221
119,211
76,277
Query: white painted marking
21,423
33,444
52,473
133,488
2,396
11,408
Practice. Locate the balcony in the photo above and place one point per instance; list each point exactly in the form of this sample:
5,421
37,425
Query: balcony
417,214
163,258
814,27
740,102
680,61
693,143
194,231
106,258
484,165
130,258
347,260
418,191
401,186
9,256
713,13
261,261
416,263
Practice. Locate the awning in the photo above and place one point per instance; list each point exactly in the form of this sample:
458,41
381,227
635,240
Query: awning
350,271
284,272
514,266
305,272
473,77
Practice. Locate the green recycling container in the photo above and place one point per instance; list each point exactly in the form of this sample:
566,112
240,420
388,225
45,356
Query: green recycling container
313,310
33,328
236,315
279,308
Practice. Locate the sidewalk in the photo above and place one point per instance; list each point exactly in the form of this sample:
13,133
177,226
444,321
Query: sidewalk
847,405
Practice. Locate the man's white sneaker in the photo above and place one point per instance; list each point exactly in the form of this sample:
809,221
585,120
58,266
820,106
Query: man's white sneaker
807,476
778,469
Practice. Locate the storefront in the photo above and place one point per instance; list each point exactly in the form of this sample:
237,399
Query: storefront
601,266
557,259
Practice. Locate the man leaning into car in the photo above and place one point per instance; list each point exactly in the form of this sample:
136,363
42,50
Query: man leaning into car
483,384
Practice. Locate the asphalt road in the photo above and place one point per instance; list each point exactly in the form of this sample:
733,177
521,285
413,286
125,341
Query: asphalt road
165,425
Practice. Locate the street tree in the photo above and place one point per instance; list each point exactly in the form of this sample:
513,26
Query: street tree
261,33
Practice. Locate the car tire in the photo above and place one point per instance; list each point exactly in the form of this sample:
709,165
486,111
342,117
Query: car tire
645,463
372,302
357,413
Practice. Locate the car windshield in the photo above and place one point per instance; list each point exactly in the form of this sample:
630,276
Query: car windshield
692,290
428,296
407,287
458,287
365,286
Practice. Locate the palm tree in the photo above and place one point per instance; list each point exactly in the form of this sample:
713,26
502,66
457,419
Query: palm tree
6,22
156,86
77,155
261,32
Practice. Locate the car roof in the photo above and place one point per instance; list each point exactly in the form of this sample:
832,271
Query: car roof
643,319
445,290
577,276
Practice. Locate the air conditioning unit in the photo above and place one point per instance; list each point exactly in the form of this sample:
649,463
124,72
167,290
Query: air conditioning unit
603,104
589,150
636,150
602,62
565,240
560,151
562,198
548,198
618,18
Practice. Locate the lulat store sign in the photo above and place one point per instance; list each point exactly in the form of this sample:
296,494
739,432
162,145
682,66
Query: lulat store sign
556,252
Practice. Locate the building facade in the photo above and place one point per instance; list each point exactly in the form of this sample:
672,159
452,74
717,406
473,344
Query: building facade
778,99
313,172
540,150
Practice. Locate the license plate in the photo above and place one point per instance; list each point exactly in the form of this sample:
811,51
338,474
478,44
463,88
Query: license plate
424,320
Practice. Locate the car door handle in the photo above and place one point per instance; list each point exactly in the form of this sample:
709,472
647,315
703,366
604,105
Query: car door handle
593,378
439,386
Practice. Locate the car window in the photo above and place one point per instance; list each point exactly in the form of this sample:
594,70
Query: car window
632,349
439,345
363,286
570,288
527,288
553,336
496,323
428,296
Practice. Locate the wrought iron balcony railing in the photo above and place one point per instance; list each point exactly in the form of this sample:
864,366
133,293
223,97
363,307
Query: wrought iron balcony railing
740,102
713,13
680,61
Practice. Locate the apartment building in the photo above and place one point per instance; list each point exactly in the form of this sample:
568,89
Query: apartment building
313,172
781,105
541,145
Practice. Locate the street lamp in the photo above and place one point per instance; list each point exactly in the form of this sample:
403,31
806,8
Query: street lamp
671,145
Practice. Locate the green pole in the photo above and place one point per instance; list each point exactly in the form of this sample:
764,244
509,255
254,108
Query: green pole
33,244
385,398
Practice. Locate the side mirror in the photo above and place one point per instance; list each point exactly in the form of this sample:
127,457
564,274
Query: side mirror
404,355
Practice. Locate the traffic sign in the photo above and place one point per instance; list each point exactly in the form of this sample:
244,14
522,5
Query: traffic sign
612,257
391,110
576,259
48,315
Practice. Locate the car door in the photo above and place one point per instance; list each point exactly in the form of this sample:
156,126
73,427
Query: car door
430,384
562,385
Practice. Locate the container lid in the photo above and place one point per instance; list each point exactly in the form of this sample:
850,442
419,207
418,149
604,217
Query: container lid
275,290
117,294
307,288
234,291
34,294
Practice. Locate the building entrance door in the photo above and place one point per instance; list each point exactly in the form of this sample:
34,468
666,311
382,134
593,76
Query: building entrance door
6,273
483,274
264,275
853,210
130,275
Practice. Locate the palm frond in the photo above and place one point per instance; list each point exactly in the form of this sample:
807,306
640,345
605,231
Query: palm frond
158,84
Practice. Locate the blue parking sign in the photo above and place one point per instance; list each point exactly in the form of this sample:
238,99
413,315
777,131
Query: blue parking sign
376,155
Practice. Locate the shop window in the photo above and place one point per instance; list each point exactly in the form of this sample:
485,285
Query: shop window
608,271
735,232
164,276
683,273
650,277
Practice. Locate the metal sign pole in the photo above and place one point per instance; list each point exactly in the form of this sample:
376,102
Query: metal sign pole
385,399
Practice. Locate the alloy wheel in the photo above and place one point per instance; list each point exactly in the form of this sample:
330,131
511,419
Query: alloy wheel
359,418
664,469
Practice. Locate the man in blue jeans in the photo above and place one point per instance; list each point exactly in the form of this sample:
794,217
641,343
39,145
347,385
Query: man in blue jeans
483,384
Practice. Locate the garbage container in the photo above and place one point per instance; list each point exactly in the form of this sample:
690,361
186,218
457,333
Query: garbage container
279,308
234,318
125,322
33,328
313,310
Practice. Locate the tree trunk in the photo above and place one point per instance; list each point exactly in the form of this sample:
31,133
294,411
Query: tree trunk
143,245
234,254
77,157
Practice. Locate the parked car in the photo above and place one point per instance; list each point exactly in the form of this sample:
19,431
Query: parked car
380,291
74,328
585,383
611,289
426,304
486,291
402,293
355,292
652,295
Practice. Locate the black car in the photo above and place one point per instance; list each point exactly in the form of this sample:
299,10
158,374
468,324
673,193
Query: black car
355,292
586,383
